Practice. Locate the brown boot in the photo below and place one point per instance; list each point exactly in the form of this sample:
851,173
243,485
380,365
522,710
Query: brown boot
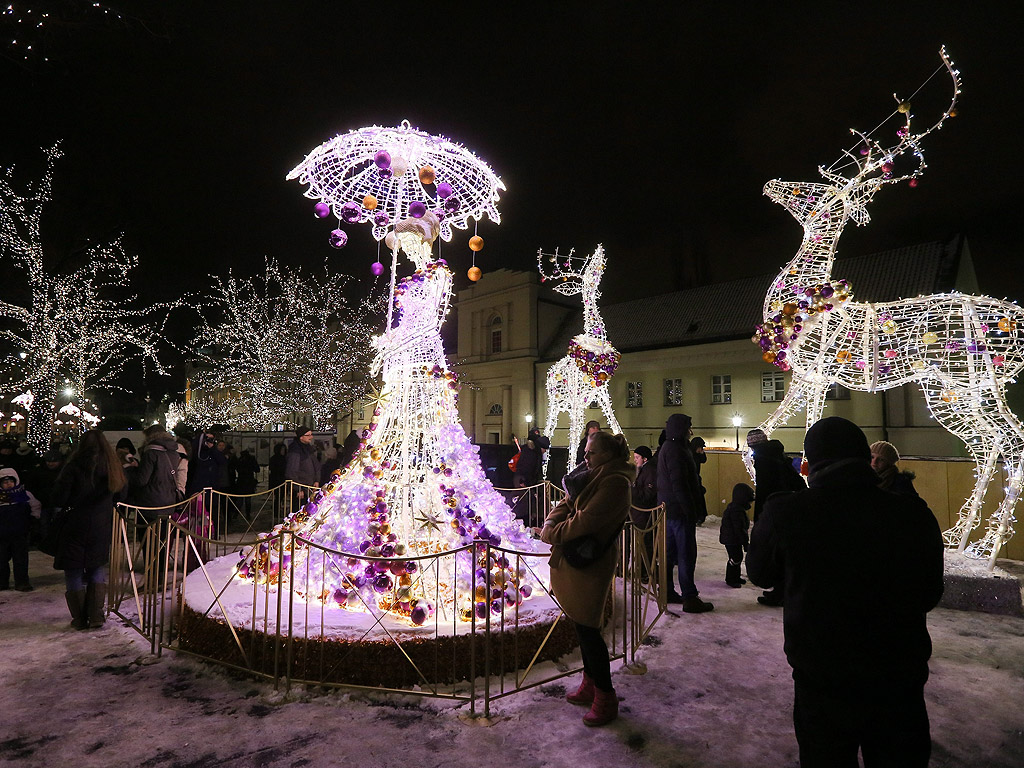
584,695
604,709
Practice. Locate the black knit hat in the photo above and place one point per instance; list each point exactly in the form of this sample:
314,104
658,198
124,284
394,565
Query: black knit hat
834,439
300,431
644,451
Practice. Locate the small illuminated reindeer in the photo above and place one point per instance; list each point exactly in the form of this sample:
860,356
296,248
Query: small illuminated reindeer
580,377
961,350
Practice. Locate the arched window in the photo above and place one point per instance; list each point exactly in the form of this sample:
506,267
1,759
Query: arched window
495,410
496,334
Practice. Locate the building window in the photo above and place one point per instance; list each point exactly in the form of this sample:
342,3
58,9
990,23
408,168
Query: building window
495,410
837,392
673,391
634,394
721,389
773,387
495,335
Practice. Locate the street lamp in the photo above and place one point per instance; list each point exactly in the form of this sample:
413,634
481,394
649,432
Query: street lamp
529,421
736,421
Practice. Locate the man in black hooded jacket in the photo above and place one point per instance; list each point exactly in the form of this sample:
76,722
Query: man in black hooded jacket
680,491
856,601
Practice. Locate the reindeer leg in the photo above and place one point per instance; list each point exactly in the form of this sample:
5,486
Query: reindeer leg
605,401
554,408
947,405
1000,524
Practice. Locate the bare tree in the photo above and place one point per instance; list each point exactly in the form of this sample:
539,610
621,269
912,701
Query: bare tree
282,343
80,326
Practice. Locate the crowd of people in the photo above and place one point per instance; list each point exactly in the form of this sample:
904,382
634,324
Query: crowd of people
854,616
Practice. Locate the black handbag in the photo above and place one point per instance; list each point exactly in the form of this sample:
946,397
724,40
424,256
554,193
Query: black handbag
584,550
52,530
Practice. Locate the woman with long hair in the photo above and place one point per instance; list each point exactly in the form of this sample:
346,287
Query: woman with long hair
87,488
598,511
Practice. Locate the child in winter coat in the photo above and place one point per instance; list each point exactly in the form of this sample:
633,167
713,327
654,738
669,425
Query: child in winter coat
733,533
17,508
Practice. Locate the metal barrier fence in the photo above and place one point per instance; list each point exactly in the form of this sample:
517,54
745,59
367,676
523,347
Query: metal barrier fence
158,554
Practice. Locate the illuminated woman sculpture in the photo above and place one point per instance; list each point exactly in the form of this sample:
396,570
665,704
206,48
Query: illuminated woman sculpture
961,350
416,486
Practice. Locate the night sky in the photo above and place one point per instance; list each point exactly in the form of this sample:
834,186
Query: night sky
652,131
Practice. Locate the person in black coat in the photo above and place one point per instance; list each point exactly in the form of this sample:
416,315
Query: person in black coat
276,467
16,508
773,473
679,490
733,532
208,465
153,482
591,428
645,497
884,460
91,482
531,459
856,604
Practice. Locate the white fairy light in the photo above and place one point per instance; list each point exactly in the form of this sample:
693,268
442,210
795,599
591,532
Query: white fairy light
279,343
961,350
582,376
78,327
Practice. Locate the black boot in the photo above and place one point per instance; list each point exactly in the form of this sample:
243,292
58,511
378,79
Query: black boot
76,604
732,575
95,598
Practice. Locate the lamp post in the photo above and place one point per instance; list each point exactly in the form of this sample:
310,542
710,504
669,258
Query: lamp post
736,421
529,421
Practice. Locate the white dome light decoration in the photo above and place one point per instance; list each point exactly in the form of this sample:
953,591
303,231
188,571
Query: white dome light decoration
582,376
415,487
962,350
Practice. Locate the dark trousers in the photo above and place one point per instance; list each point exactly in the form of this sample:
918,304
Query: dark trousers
888,724
594,651
681,550
14,548
735,552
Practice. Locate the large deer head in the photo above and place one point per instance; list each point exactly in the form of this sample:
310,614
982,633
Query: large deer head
574,274
874,166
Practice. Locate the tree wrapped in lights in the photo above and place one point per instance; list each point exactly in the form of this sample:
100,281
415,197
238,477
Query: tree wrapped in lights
416,486
278,343
961,350
78,327
582,376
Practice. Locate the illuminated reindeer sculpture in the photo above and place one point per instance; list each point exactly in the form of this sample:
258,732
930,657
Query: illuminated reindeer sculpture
961,350
580,377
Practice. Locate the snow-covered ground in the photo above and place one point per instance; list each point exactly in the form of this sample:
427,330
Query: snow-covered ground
717,693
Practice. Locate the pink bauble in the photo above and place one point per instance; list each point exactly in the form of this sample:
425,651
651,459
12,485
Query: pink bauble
321,210
377,268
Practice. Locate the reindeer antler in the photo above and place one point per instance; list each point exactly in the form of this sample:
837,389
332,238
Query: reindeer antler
575,272
876,158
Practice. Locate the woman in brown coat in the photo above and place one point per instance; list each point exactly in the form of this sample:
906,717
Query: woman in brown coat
599,510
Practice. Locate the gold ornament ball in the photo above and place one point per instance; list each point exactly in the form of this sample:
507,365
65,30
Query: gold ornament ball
474,274
843,356
1005,325
930,337
903,108
427,175
476,243
370,202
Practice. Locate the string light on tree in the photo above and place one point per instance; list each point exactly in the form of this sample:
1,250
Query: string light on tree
275,345
961,350
79,326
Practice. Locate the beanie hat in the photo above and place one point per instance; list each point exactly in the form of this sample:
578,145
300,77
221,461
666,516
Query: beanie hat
834,439
300,431
644,451
885,451
756,436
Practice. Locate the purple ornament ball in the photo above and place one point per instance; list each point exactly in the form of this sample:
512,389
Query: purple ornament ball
381,219
385,173
382,159
444,189
418,615
351,213
417,209
321,210
452,205
338,238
